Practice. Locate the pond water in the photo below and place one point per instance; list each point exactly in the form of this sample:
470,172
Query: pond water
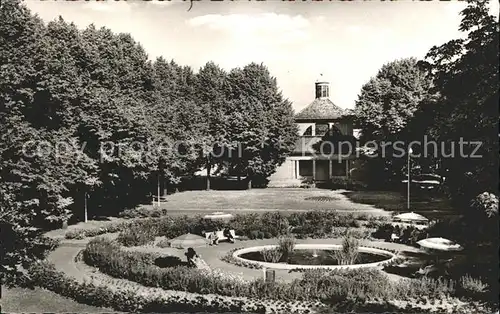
316,257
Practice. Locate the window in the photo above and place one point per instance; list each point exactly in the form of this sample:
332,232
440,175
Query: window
324,91
321,129
318,91
308,131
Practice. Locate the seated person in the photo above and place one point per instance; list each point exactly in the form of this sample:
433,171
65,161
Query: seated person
190,255
394,237
213,238
228,235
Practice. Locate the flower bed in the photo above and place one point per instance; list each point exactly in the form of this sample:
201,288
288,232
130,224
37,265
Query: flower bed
315,285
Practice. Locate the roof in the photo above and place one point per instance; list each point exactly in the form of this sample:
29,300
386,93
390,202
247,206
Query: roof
320,108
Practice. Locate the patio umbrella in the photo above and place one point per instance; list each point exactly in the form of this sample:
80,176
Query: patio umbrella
411,217
440,244
218,215
188,240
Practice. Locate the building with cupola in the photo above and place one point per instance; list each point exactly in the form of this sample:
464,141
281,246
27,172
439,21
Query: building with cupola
305,163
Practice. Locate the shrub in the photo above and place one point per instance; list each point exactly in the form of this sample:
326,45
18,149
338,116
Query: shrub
275,223
472,287
317,285
486,203
164,243
348,254
271,255
86,233
316,224
286,244
423,287
20,246
136,236
407,235
144,212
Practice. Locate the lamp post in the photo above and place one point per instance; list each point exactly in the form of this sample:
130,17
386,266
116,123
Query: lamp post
410,151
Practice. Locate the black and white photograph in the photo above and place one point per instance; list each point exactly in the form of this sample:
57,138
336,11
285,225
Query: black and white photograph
249,156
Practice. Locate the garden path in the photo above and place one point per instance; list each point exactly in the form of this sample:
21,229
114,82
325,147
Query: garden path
64,256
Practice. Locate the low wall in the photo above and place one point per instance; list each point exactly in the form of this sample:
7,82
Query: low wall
390,257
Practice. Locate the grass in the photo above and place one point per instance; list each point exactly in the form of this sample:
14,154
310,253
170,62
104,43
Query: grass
258,200
20,300
429,206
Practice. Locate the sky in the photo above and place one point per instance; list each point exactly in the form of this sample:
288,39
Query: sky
343,42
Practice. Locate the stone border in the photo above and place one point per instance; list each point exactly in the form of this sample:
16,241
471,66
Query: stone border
237,253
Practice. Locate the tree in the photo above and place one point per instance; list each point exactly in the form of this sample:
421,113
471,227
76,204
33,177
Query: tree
180,118
465,75
260,122
385,107
34,100
388,101
211,81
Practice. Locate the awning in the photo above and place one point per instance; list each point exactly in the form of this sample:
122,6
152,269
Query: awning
409,217
218,215
188,240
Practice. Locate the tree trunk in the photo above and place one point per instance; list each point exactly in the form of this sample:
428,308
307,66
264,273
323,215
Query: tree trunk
85,207
249,183
164,188
158,200
209,168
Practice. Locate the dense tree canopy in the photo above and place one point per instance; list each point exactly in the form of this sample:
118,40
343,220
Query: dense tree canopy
87,118
449,97
385,107
388,101
465,75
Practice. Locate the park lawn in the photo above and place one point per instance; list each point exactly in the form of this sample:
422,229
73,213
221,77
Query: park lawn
270,199
20,300
236,201
429,206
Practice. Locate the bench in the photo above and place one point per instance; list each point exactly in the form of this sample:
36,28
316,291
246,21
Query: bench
220,235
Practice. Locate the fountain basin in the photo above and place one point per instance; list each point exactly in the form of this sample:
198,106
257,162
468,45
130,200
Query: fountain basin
383,257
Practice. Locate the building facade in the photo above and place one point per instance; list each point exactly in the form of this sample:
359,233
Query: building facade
306,163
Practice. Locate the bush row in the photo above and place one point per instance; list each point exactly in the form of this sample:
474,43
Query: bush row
129,300
132,300
318,285
144,212
87,233
313,224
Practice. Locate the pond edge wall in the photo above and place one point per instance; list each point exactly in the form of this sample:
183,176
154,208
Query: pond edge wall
391,257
